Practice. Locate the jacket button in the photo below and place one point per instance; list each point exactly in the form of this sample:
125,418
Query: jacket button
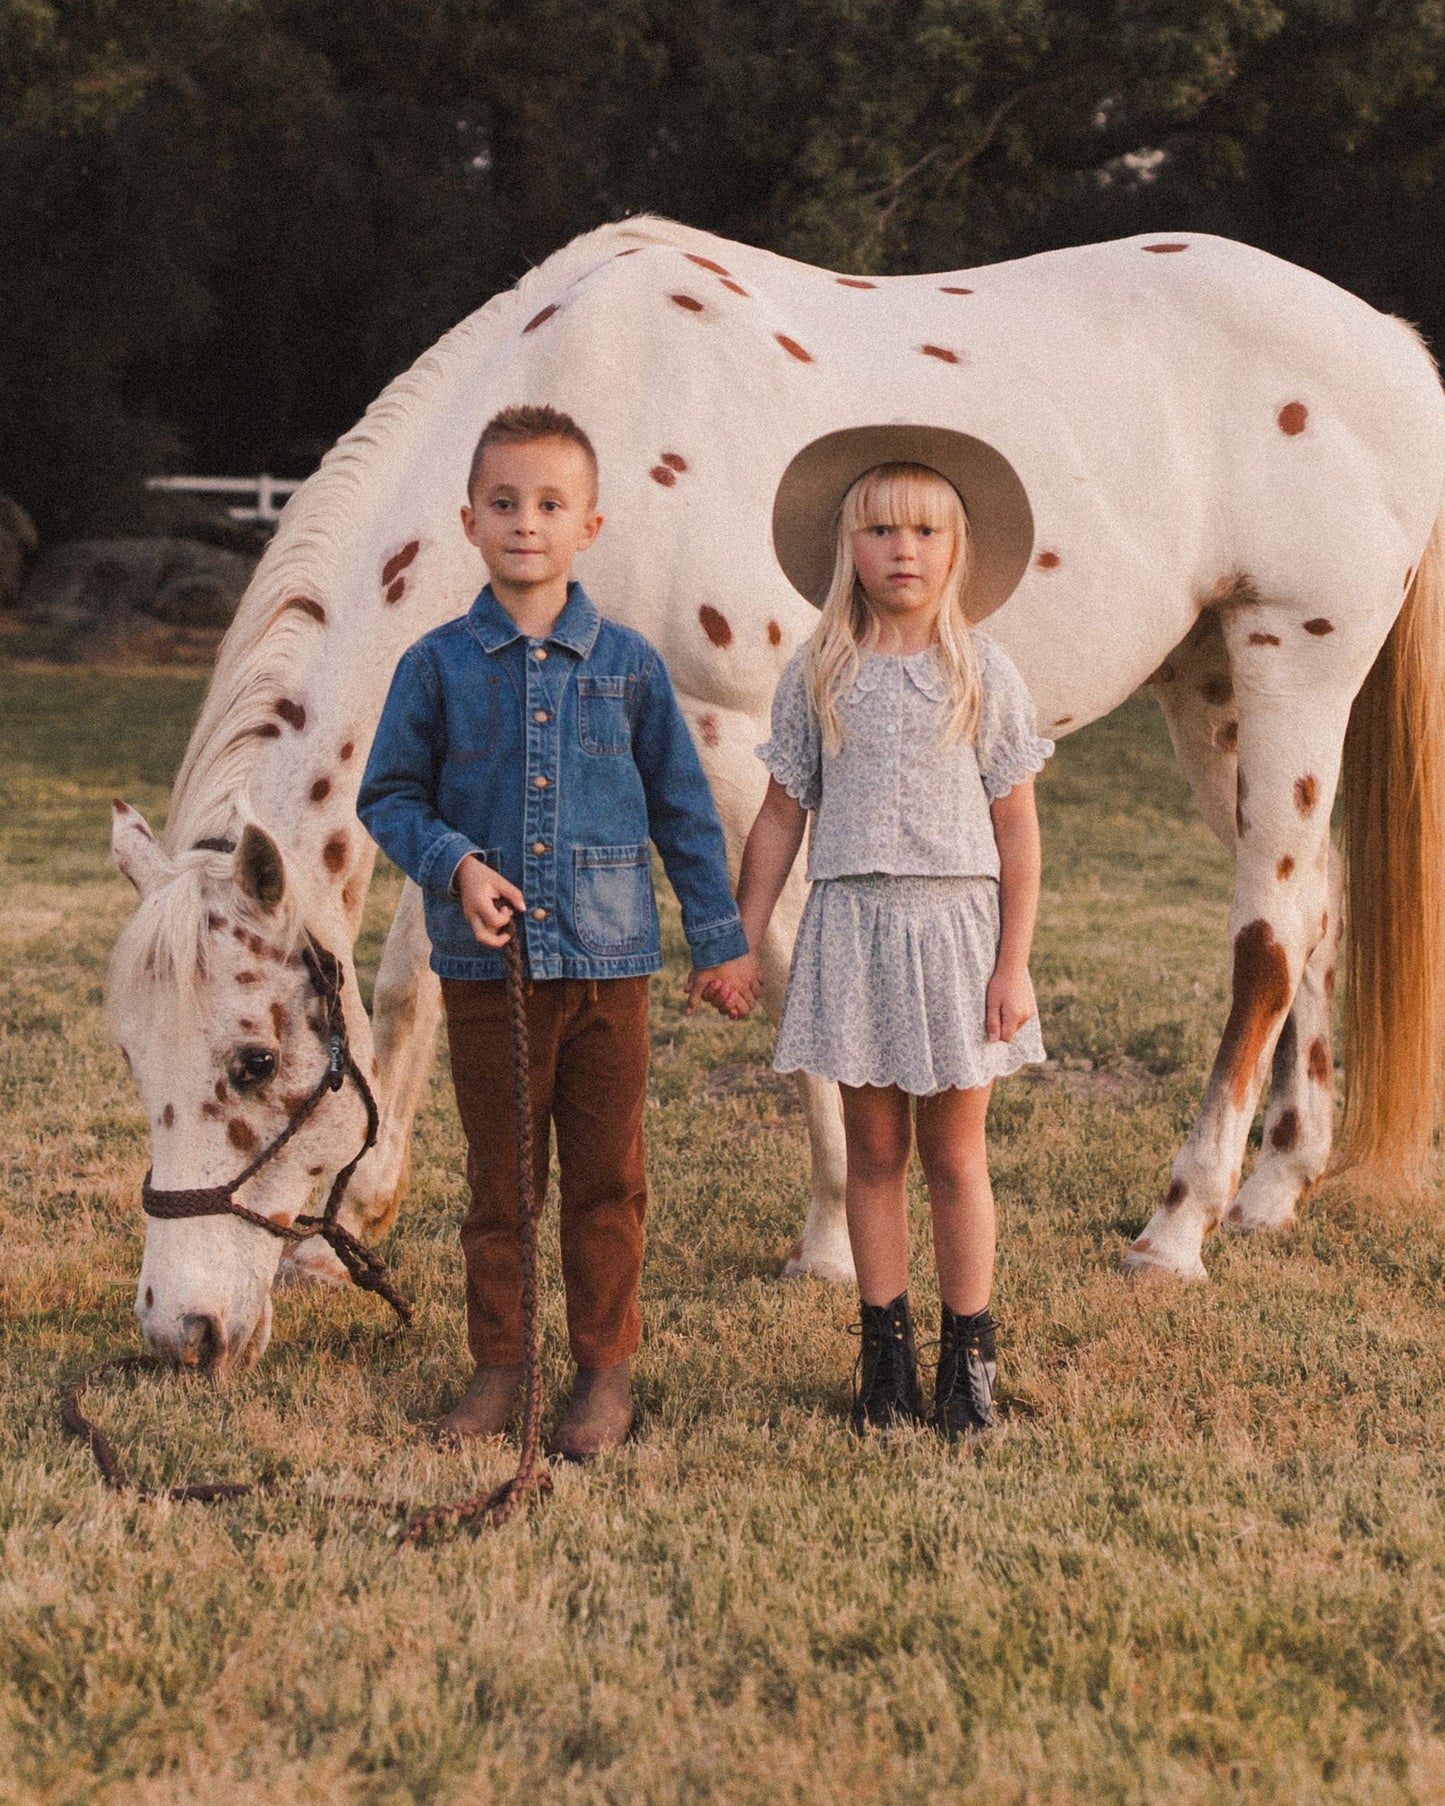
540,653
540,715
539,847
539,915
539,783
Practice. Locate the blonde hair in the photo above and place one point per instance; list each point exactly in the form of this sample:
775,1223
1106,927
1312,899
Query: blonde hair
892,495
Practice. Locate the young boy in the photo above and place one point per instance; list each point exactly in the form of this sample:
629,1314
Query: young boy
527,754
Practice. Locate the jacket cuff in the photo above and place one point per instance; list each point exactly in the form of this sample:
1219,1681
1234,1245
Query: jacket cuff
442,858
717,942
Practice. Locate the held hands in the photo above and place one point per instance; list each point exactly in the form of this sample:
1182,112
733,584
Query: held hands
1008,1003
488,901
731,988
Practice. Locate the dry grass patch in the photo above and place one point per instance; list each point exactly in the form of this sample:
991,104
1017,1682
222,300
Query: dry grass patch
1203,1562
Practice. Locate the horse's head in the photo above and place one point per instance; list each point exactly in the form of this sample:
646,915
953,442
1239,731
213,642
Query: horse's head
220,1021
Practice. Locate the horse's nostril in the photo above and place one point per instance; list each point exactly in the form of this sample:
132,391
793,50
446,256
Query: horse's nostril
204,1343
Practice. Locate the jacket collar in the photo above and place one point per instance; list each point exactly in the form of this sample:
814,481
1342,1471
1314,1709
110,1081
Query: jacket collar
576,627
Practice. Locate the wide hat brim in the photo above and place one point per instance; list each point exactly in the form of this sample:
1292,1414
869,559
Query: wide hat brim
810,495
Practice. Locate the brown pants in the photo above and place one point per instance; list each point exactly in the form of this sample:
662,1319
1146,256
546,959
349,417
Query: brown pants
589,1048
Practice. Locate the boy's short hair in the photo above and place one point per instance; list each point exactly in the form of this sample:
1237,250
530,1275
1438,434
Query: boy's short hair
523,425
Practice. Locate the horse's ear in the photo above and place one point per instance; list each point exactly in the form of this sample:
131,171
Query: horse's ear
260,871
135,849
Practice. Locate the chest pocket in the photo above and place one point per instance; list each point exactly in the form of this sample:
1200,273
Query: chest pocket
604,713
476,726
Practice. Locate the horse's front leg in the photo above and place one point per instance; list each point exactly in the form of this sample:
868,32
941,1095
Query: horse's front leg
1282,925
726,740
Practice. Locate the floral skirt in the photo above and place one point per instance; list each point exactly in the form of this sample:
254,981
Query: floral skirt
888,986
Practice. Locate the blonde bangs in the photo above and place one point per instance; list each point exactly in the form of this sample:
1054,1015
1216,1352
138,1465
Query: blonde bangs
903,495
892,495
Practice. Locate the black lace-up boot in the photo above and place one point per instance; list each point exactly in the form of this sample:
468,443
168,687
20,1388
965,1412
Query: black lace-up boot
967,1368
886,1390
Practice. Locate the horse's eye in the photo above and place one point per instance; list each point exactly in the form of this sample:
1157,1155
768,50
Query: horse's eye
251,1067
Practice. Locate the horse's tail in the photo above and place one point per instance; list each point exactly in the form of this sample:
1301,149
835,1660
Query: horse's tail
1394,838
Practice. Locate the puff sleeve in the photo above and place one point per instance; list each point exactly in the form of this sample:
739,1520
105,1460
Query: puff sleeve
1010,747
794,754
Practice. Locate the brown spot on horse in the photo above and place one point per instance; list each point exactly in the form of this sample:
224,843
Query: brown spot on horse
1260,995
396,591
661,474
399,561
1226,736
292,713
793,348
1330,983
1160,250
853,282
1321,1066
306,606
1285,1133
168,1116
320,790
241,1135
1284,868
1306,794
1241,791
955,291
1319,627
280,1021
941,352
541,319
715,625
775,634
1264,639
1178,1191
348,747
268,730
736,287
706,263
1292,418
1063,721
333,854
689,303
1048,561
248,978
674,460
707,726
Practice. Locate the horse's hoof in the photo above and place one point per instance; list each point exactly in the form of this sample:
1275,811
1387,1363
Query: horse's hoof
1240,1220
836,1271
1148,1269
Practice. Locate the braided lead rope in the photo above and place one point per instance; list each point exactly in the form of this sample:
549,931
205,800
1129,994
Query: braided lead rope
207,1492
532,1476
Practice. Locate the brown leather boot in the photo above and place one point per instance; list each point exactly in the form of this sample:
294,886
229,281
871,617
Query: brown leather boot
485,1409
599,1415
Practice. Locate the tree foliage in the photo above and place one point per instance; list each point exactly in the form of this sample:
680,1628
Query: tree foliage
233,220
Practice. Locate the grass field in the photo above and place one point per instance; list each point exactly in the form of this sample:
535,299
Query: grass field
1204,1562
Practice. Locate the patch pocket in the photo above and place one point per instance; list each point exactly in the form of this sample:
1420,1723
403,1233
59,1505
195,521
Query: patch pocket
614,902
604,713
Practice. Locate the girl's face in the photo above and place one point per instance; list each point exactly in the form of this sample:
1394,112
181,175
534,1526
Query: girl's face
903,570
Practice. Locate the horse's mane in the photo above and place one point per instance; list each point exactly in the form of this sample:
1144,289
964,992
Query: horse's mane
273,633
167,940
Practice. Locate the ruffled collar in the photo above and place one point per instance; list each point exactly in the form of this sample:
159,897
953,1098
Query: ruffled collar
923,670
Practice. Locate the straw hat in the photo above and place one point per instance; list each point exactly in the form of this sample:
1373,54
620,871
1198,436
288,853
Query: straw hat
1001,523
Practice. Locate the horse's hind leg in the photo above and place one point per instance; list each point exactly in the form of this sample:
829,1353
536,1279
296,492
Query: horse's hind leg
1258,695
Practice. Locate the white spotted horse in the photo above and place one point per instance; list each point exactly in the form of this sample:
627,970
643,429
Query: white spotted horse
1235,471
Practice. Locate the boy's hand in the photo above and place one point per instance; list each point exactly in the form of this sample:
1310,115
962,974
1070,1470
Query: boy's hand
488,901
731,988
1009,1002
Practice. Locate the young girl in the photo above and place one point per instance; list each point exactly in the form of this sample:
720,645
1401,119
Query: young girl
911,742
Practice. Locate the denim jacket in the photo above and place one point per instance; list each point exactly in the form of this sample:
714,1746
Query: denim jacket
556,760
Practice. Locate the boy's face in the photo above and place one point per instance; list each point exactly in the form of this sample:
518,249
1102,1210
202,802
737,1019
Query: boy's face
532,509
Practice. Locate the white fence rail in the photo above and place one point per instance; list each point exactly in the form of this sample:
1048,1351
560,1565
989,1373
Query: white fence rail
270,493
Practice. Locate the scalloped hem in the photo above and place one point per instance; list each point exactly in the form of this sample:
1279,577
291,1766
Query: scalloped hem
953,1083
796,788
1029,764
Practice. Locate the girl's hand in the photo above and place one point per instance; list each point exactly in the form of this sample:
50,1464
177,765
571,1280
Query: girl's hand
1009,1002
731,988
488,901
